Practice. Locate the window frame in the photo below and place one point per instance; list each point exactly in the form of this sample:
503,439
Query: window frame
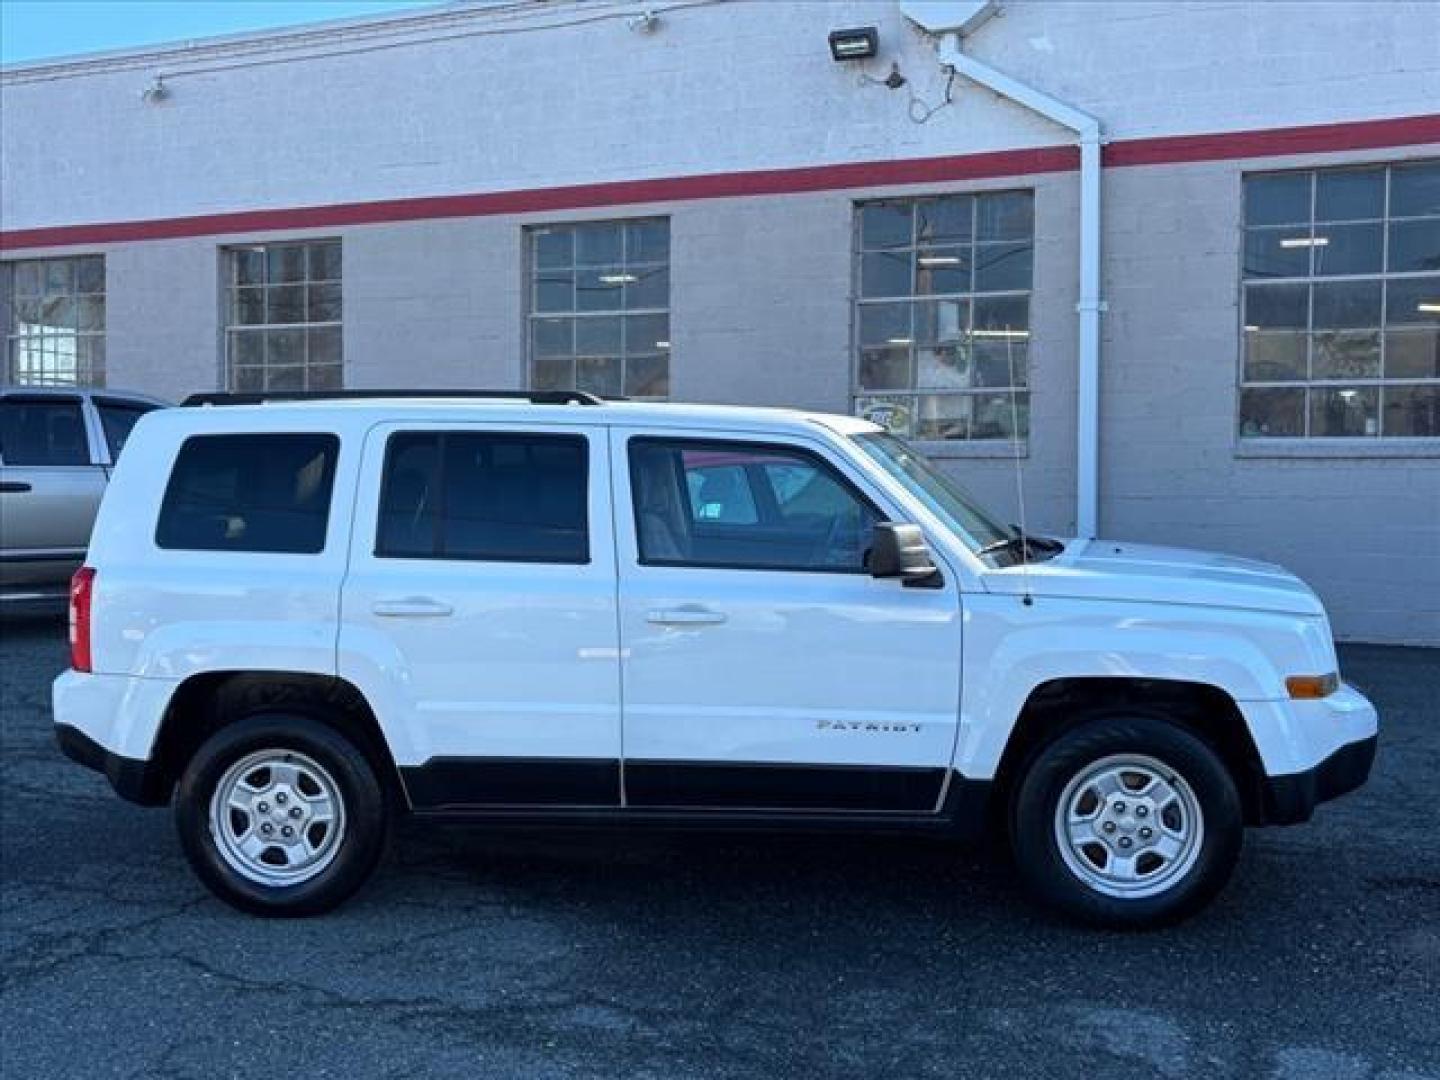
441,434
231,330
1307,441
533,315
332,452
1018,395
703,443
95,376
52,396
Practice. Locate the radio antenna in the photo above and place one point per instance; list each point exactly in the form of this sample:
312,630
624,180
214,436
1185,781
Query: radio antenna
1010,333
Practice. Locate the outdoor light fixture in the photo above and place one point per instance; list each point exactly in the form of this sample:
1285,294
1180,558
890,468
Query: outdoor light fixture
156,91
861,43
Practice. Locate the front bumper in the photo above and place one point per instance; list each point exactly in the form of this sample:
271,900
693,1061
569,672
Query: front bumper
1291,799
140,782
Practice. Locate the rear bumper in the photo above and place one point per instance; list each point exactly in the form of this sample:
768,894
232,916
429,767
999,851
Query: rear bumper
140,782
1292,798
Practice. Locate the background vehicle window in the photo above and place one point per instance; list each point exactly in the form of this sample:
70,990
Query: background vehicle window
745,506
494,497
118,418
39,431
249,493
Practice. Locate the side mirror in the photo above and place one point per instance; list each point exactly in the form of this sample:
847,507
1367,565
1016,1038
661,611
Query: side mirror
899,550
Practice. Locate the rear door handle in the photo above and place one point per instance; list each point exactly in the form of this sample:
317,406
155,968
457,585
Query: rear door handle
684,617
13,487
412,607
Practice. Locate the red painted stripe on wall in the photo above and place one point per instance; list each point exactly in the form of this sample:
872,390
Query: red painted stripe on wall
1321,138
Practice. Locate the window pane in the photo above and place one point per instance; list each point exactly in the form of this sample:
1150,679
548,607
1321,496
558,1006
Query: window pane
696,504
247,307
599,245
554,291
285,304
1277,252
285,347
552,337
291,377
1415,190
90,274
939,321
1000,416
323,303
59,275
1274,356
324,261
945,221
1415,245
1346,356
887,273
895,414
90,359
599,375
647,376
324,345
325,377
1412,411
249,493
1341,305
1272,413
943,270
247,379
943,416
885,369
248,265
647,242
1349,249
598,336
944,367
1347,411
1281,199
1002,267
1412,301
1001,361
650,289
1006,216
515,498
885,324
285,263
1349,194
90,313
885,225
1002,317
647,333
554,373
600,288
1413,353
42,433
554,248
247,348
27,278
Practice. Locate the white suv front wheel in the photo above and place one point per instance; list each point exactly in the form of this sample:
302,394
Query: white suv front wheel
1127,821
281,815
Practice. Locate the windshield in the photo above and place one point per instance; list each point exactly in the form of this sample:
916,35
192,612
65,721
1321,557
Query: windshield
938,492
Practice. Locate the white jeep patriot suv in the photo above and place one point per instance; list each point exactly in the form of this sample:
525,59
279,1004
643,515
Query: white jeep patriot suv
300,618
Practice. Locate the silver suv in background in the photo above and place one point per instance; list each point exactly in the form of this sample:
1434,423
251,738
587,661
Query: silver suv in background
56,450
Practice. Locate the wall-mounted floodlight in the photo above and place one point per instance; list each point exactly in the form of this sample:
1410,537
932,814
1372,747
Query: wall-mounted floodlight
861,43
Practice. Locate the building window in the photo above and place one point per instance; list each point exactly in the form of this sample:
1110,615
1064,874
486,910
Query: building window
1341,303
942,316
600,308
282,329
55,330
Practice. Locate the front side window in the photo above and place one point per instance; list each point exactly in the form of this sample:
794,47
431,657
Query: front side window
282,327
599,308
744,506
256,493
942,315
55,327
1341,303
38,430
490,497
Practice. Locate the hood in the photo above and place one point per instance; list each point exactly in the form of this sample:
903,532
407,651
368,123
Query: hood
1115,570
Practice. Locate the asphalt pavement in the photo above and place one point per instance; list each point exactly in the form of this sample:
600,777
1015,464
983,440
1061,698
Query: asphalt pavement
546,955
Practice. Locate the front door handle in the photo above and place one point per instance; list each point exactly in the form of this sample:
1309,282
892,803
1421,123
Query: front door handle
13,487
413,607
684,617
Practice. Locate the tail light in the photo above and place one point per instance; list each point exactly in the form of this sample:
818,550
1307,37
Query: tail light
82,590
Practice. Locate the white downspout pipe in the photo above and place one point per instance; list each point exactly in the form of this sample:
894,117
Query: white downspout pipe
1089,306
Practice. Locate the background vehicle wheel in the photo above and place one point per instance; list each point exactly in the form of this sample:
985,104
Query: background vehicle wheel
1127,821
281,815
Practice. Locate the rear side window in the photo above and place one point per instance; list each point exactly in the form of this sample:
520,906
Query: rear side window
42,431
489,496
250,493
118,419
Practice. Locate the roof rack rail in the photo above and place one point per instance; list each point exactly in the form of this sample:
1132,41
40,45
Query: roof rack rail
535,397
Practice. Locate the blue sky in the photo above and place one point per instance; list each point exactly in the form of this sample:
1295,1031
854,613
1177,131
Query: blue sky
33,29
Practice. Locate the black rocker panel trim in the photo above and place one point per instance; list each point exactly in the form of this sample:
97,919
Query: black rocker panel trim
781,785
458,783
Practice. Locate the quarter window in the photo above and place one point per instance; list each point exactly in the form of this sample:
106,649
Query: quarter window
55,327
118,419
266,493
492,497
745,506
942,316
1341,303
599,304
283,307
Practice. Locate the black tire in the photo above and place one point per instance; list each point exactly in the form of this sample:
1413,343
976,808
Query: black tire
365,808
1039,791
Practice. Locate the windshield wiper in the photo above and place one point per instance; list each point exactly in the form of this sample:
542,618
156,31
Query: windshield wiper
1032,548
